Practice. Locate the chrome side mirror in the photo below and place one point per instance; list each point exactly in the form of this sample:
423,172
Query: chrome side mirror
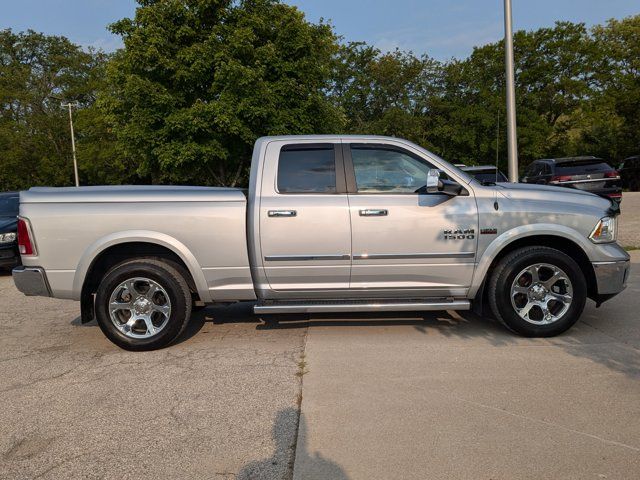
433,180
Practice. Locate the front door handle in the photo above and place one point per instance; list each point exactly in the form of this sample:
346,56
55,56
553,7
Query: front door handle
282,213
374,212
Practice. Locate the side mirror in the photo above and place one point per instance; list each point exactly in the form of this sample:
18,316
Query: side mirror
433,180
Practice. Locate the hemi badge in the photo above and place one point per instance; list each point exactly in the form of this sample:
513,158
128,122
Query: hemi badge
488,231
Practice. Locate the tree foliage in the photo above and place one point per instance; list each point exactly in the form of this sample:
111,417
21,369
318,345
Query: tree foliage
38,73
199,80
576,93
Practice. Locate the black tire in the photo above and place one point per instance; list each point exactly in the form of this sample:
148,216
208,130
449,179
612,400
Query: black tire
164,274
504,274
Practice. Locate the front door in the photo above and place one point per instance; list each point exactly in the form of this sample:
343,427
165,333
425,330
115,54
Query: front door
405,242
305,232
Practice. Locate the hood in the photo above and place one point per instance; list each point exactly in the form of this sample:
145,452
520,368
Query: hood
8,224
530,191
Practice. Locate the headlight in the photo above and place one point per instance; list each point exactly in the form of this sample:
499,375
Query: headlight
7,237
604,231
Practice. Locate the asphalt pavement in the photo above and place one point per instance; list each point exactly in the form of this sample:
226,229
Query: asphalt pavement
222,404
408,396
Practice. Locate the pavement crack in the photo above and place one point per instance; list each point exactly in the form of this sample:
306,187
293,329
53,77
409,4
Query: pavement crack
37,381
302,364
60,464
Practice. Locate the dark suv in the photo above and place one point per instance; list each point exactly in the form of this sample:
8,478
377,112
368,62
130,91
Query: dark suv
9,256
591,174
630,173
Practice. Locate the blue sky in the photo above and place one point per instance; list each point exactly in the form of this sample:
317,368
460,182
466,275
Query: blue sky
441,28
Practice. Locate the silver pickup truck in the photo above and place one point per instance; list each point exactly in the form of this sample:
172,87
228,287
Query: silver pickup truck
329,224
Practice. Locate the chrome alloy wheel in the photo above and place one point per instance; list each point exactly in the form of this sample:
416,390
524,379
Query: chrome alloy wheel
541,294
139,307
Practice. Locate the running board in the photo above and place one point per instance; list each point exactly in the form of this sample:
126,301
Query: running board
329,306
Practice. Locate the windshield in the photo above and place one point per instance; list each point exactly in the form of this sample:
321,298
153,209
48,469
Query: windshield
460,173
9,205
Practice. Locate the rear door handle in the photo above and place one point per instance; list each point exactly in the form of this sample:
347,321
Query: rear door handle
282,213
374,212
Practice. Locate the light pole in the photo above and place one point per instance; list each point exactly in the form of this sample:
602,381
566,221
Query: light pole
512,140
73,140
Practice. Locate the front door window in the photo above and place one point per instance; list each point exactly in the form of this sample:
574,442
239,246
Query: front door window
380,170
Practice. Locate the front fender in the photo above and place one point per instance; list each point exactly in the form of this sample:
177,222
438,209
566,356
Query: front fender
517,233
148,236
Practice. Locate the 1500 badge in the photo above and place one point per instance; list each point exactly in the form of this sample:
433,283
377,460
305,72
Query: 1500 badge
460,234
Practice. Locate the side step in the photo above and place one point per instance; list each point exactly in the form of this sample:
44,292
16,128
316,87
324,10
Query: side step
381,305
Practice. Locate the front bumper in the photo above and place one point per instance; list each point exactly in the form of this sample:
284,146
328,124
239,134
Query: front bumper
32,281
611,278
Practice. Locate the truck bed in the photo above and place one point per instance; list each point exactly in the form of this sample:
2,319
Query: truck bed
204,226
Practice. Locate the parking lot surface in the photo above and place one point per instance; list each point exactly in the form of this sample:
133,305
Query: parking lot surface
448,396
629,230
222,404
393,396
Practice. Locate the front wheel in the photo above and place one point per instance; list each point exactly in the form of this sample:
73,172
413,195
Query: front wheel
143,304
537,291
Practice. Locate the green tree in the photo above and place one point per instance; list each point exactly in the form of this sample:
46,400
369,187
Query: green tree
611,121
199,80
384,93
37,72
553,75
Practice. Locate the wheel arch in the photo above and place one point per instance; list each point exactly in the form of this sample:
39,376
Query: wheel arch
107,251
558,239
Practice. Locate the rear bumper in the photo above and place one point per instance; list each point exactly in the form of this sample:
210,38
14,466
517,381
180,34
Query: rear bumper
611,278
32,281
612,192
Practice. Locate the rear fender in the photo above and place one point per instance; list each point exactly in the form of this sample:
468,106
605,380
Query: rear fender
147,236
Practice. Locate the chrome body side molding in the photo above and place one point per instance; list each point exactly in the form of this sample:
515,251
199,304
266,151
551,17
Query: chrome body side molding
297,258
393,256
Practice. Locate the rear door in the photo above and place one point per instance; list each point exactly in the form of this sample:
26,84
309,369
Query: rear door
406,243
305,230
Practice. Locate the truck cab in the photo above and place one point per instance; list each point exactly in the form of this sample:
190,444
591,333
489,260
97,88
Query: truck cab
351,218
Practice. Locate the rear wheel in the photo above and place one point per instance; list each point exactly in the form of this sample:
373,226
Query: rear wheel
537,291
143,304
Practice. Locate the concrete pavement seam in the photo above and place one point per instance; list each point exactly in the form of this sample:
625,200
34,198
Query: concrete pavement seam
544,422
300,374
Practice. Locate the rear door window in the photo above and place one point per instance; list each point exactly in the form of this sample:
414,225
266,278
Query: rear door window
532,169
307,169
490,176
9,206
582,167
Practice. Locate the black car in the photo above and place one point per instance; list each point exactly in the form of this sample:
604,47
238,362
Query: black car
630,173
485,173
591,174
9,256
